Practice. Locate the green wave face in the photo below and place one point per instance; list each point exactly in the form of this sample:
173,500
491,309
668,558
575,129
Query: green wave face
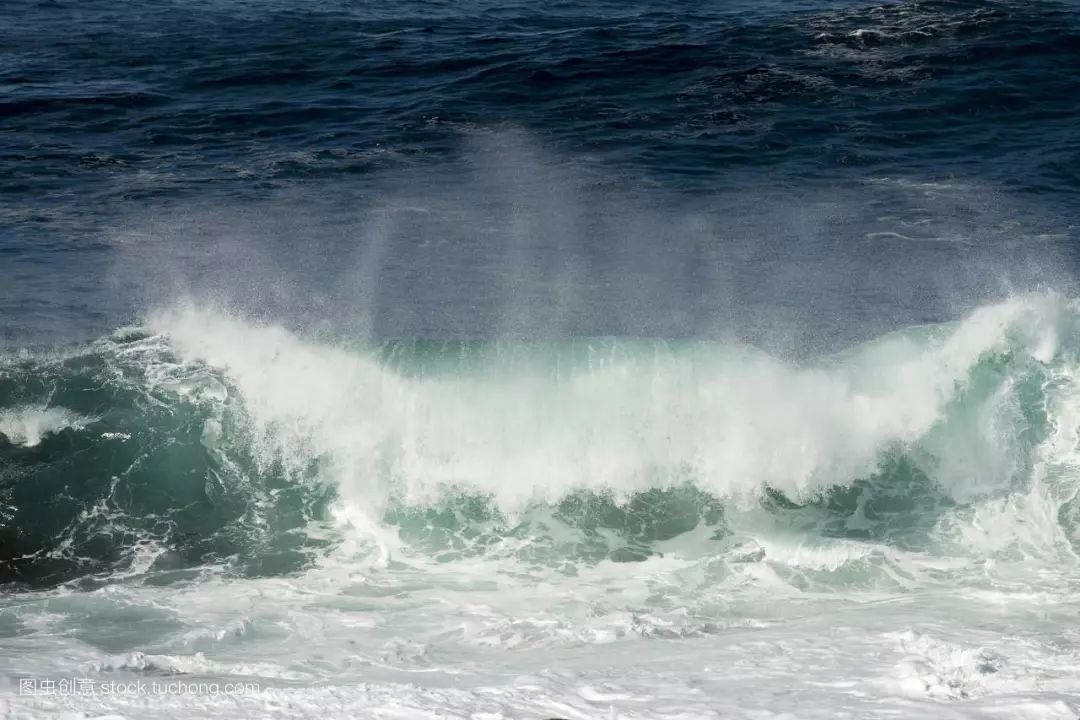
128,470
201,442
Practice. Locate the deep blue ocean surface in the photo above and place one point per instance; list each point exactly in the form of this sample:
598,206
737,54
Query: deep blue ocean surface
659,169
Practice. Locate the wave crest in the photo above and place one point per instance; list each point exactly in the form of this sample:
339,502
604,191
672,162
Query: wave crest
214,439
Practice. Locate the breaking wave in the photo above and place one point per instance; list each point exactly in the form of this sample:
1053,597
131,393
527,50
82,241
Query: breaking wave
203,440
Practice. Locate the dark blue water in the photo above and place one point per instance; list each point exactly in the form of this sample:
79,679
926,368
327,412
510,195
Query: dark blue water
799,174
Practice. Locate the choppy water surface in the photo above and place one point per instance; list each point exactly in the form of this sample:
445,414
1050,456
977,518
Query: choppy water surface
484,360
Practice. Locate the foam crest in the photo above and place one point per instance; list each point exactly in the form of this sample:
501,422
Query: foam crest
29,425
731,420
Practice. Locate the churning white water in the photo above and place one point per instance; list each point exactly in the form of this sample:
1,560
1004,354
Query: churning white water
891,532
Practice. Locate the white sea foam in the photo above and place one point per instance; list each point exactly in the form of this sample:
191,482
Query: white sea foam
779,620
29,425
733,423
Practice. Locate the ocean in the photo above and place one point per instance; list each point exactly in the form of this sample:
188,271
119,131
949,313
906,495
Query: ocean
501,360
